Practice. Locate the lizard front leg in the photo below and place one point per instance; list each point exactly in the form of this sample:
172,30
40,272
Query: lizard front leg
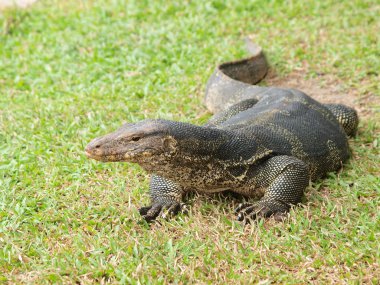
166,197
284,179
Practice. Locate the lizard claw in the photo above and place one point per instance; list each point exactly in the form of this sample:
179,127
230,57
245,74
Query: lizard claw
163,210
248,212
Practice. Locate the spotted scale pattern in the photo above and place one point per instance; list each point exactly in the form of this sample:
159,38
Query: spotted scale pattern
263,142
346,116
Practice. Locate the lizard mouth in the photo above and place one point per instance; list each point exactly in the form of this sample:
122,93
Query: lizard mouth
100,157
129,156
90,154
132,143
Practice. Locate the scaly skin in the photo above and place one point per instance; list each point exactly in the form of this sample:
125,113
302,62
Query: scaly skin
265,143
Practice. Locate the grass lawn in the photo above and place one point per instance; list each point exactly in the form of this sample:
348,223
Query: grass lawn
74,70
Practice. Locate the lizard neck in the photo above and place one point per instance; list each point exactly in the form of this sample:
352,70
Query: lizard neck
193,146
204,157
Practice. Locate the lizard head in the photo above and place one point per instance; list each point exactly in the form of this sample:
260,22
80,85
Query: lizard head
148,141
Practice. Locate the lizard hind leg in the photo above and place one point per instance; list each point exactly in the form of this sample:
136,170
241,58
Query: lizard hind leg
346,116
285,179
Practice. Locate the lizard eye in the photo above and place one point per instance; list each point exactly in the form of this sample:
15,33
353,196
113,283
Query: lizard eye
135,138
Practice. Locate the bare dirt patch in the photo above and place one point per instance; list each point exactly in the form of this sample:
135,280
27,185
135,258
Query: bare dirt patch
326,89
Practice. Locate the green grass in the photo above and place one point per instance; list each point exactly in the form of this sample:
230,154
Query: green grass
74,70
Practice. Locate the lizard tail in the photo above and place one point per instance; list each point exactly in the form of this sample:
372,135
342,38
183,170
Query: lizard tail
346,116
231,79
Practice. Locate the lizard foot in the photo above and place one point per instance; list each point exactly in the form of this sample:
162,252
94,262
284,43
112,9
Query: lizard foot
247,212
162,210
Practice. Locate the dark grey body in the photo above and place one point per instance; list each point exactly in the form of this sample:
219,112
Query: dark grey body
263,142
288,122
